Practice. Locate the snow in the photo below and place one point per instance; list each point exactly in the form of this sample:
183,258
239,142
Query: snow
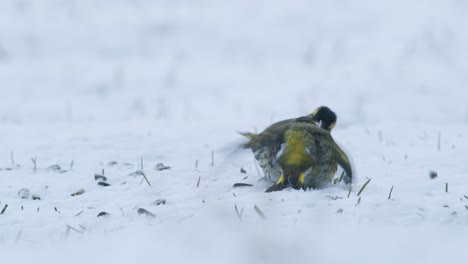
171,81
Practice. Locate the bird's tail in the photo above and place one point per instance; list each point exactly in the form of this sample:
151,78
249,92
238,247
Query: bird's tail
296,182
248,135
251,139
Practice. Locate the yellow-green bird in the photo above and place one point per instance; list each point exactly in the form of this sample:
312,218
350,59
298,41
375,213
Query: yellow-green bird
300,152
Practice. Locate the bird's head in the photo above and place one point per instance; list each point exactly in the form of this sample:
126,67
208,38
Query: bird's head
324,117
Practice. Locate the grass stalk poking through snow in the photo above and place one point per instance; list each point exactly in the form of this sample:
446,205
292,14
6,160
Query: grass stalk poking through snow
438,141
146,179
363,187
4,209
34,161
198,182
259,212
212,158
390,194
239,214
358,201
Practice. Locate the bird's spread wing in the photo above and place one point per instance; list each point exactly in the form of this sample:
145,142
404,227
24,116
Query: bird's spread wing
343,161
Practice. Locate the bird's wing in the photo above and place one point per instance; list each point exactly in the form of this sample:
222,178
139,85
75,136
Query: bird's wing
343,161
332,152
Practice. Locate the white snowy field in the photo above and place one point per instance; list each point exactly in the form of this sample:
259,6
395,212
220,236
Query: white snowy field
107,83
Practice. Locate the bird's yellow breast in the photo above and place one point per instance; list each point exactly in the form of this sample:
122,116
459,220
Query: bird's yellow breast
295,149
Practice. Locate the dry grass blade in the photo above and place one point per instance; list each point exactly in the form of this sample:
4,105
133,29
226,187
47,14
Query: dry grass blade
79,192
341,177
358,201
74,229
446,187
239,214
146,179
390,194
78,214
185,218
212,158
363,187
438,141
34,161
4,209
198,182
259,212
143,211
241,184
18,236
349,192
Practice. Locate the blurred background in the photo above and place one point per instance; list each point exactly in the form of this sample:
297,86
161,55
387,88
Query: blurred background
237,63
85,84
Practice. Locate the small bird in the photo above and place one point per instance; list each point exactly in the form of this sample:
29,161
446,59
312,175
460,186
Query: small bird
299,152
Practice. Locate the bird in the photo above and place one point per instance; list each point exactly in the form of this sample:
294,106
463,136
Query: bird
299,152
266,144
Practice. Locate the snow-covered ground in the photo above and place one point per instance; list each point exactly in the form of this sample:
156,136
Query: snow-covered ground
104,84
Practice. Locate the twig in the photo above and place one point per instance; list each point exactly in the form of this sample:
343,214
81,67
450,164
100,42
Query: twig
141,163
446,187
363,187
349,192
390,194
260,213
56,210
466,197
